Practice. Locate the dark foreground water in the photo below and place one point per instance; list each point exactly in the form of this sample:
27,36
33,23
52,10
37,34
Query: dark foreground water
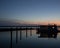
28,40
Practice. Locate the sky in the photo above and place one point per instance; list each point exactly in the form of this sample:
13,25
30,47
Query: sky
30,11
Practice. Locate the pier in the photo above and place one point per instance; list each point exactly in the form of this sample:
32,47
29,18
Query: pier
41,29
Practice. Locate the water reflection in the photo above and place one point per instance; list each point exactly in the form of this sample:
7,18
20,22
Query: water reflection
46,35
31,38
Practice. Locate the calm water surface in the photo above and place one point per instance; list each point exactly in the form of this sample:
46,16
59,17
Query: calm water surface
30,40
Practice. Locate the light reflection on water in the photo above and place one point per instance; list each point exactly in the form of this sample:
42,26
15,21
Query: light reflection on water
31,41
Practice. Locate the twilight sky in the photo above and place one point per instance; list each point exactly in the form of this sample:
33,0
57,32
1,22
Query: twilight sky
30,11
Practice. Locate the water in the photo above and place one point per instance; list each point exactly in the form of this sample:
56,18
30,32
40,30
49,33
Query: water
28,39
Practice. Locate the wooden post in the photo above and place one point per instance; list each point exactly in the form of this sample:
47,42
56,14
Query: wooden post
30,32
20,34
16,35
11,38
26,32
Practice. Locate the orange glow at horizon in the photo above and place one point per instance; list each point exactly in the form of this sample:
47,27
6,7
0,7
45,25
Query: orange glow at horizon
44,23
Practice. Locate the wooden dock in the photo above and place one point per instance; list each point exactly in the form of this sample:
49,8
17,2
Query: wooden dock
14,28
20,28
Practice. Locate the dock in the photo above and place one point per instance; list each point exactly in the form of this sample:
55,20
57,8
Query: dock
41,29
36,27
